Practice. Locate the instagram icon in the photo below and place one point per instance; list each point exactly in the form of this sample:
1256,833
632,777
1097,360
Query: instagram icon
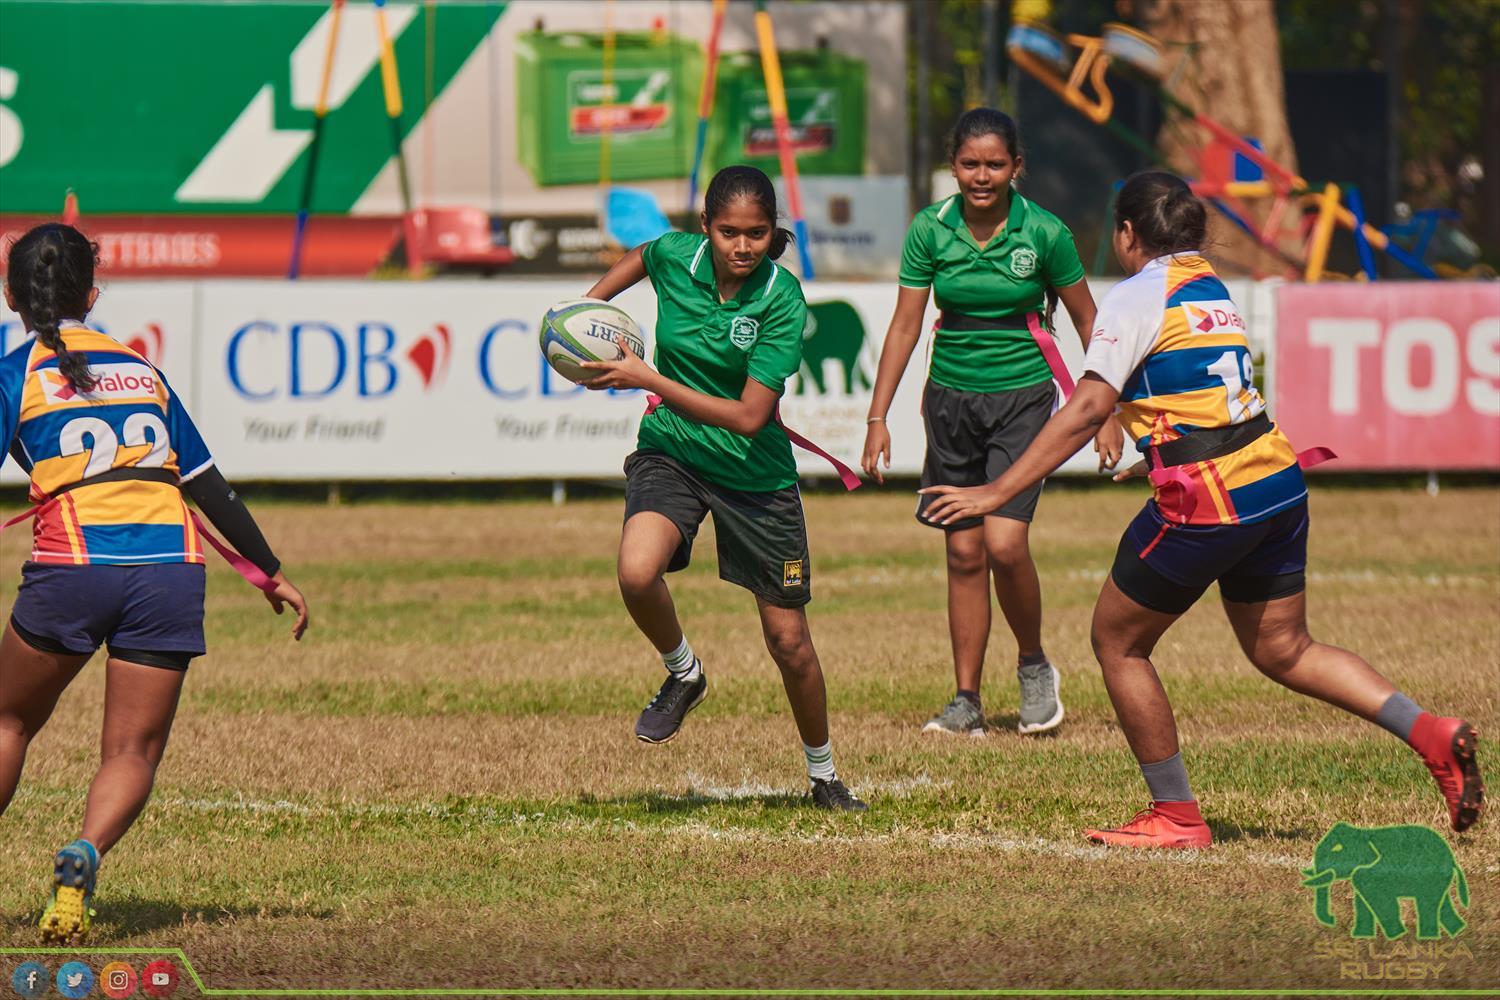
117,980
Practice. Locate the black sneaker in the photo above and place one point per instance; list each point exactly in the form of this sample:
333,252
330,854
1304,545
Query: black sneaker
663,717
833,794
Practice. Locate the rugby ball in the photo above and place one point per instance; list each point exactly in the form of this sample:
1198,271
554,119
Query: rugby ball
581,330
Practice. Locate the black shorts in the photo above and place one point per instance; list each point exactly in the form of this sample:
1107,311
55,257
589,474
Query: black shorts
151,614
972,437
762,537
1167,567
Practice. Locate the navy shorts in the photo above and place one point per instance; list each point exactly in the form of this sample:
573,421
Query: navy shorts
1168,567
150,614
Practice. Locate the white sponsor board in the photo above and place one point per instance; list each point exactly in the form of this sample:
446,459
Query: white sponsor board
444,380
155,318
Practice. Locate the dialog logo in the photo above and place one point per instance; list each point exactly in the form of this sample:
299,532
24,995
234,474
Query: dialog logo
159,979
1216,316
117,980
75,980
30,980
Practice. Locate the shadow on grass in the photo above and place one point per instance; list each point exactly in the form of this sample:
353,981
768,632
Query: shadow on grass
661,804
118,920
1225,832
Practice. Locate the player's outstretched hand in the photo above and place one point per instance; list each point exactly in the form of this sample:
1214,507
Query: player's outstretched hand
284,594
1138,469
630,372
877,447
1109,444
954,503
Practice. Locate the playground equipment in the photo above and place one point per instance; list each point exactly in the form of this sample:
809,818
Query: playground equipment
706,100
1232,169
765,32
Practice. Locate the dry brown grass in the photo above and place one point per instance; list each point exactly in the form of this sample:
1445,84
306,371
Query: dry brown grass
439,787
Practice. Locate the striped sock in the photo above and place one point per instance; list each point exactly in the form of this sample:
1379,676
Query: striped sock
681,663
820,762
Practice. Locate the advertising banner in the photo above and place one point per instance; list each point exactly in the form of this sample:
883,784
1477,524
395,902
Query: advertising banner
345,380
1392,376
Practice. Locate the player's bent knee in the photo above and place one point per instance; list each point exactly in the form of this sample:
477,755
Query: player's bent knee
638,578
790,649
1279,653
1009,557
967,560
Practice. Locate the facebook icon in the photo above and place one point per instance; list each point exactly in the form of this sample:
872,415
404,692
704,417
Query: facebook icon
30,980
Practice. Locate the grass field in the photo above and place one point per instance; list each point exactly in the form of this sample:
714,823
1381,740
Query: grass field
440,786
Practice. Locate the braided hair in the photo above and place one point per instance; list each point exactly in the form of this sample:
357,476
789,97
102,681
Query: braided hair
50,274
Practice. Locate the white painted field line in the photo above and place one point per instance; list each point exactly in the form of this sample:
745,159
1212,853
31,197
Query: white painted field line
995,842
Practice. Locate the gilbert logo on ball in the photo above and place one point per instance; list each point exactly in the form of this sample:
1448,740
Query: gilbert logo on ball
743,332
1023,262
580,330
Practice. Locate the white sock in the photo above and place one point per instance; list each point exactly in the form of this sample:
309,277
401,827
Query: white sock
681,663
820,762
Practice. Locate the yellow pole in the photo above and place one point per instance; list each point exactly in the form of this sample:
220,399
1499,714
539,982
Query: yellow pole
1322,234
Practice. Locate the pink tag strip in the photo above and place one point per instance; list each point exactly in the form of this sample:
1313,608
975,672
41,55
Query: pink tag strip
1178,493
1315,456
847,476
1048,344
244,567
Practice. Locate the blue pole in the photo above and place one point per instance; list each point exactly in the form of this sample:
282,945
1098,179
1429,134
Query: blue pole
1366,255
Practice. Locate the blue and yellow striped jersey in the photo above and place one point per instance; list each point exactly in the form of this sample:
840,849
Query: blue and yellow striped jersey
1172,342
129,419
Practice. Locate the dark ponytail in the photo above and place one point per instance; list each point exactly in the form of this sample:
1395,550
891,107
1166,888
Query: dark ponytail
743,181
1163,211
50,274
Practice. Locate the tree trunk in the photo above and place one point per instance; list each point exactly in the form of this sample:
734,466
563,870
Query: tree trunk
1232,75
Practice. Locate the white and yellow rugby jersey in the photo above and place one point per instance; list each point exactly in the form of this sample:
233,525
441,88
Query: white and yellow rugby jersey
1172,342
129,427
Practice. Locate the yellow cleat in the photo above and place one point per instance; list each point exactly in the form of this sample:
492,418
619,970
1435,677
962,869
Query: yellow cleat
68,916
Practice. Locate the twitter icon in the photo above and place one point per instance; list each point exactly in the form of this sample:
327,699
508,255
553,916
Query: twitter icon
75,980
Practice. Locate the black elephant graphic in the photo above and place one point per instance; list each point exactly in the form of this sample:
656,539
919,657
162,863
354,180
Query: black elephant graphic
833,331
1385,865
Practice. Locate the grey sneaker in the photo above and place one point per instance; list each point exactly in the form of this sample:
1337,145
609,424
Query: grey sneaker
1041,709
663,717
958,716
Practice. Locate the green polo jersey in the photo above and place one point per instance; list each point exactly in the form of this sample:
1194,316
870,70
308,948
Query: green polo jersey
713,347
1003,281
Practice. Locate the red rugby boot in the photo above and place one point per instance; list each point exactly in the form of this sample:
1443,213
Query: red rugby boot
1447,748
1164,824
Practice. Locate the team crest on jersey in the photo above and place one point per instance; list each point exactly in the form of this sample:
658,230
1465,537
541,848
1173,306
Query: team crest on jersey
1217,316
791,573
743,331
1023,262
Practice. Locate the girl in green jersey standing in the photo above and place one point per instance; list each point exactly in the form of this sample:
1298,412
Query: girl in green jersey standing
995,261
728,336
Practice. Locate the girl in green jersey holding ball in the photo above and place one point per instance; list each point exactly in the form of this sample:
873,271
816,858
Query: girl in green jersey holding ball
994,261
728,336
